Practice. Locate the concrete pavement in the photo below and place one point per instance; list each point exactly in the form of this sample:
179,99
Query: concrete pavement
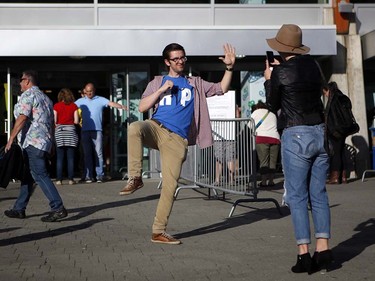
107,236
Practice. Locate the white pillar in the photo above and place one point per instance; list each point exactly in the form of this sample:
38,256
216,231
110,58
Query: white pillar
347,72
356,93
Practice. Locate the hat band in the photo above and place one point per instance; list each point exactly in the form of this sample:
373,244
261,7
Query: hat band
293,47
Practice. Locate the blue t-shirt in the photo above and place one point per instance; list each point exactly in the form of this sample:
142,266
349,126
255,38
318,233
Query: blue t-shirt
92,112
176,107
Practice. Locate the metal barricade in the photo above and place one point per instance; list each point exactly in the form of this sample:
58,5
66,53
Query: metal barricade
155,165
188,170
229,165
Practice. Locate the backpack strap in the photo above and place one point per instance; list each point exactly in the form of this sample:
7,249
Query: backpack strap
261,120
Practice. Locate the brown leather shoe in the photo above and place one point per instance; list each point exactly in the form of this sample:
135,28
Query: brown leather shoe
164,238
134,183
344,179
334,178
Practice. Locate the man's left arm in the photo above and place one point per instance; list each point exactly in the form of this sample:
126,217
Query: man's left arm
229,60
117,105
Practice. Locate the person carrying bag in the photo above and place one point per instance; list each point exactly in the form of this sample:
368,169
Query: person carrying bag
340,123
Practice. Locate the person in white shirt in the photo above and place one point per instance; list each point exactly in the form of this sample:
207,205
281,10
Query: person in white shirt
267,142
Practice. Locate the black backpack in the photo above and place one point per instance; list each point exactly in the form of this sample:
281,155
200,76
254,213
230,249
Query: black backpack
339,116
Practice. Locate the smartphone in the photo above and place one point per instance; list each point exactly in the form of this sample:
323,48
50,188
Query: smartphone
270,57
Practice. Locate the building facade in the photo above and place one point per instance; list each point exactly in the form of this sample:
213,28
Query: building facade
117,45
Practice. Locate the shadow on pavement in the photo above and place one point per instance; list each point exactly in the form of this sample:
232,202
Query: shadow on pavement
50,233
87,211
354,246
9,229
235,221
7,198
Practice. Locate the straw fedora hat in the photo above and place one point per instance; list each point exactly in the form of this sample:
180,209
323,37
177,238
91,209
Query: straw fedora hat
288,40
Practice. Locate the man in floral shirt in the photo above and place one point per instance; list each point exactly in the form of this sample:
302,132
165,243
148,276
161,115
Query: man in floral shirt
34,129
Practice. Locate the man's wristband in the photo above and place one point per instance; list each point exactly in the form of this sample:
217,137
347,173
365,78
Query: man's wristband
229,68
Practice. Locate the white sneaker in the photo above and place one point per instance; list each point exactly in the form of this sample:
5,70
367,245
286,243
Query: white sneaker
71,182
58,182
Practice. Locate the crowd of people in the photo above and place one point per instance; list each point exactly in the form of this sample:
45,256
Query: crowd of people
80,122
44,129
291,120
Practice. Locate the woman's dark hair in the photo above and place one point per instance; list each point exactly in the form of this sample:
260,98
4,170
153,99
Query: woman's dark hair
331,86
261,104
170,48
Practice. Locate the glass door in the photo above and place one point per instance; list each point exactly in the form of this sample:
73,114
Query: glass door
9,92
126,88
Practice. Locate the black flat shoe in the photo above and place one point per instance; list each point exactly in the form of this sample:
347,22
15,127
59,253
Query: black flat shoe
322,260
304,264
56,215
14,214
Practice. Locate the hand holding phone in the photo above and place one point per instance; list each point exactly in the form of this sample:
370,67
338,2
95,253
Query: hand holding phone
270,57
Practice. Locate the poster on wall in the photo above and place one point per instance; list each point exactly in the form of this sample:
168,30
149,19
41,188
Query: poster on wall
223,107
252,90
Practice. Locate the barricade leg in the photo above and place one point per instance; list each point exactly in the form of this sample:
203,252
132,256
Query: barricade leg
373,155
239,201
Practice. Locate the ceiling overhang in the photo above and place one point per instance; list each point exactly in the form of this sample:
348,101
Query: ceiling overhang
197,41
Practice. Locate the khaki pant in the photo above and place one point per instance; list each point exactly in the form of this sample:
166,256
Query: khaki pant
173,150
267,155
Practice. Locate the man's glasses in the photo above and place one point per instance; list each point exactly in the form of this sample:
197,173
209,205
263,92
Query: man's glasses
176,60
21,79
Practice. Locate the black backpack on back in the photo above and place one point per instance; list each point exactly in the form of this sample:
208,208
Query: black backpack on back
340,119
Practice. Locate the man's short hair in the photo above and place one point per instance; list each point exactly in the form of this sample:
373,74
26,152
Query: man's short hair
170,48
32,75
